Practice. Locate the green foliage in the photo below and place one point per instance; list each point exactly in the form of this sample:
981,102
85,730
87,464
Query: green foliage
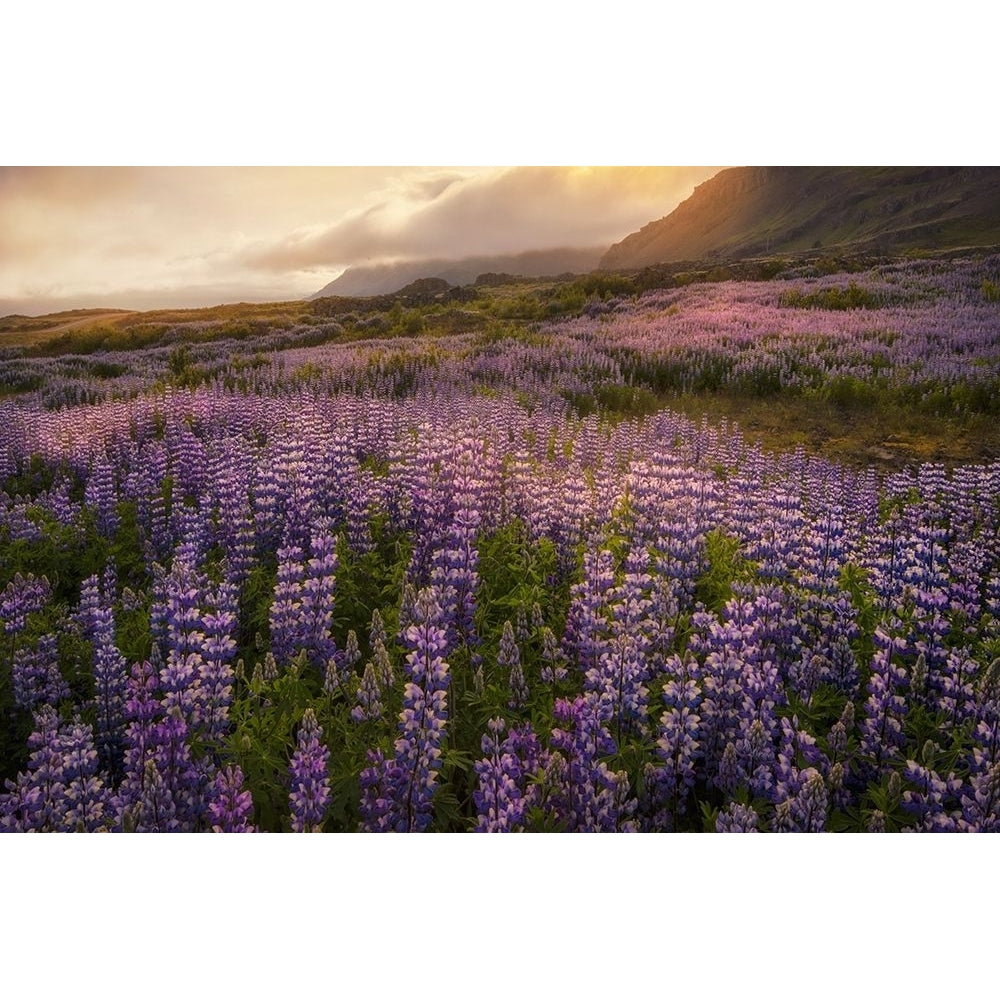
854,580
851,297
725,566
990,290
263,717
850,393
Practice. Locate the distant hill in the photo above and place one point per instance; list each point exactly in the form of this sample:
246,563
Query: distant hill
383,279
748,211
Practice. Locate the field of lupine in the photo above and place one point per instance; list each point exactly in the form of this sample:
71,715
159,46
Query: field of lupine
491,581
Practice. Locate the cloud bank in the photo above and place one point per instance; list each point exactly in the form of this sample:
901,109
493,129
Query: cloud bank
139,237
503,211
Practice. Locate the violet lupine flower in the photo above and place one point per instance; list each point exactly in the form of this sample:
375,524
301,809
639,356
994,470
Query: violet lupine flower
587,620
882,728
756,758
339,672
287,607
398,792
228,804
100,494
730,775
183,593
553,661
368,707
678,746
617,681
537,619
931,794
737,818
454,566
875,822
384,671
35,800
955,684
61,790
216,672
377,633
180,680
175,765
318,596
24,595
142,711
583,792
352,652
981,809
35,675
509,659
521,628
86,799
498,798
810,806
163,789
110,673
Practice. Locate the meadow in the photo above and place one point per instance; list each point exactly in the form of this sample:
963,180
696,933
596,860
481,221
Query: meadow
604,554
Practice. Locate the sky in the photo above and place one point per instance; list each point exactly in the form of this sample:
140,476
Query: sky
149,237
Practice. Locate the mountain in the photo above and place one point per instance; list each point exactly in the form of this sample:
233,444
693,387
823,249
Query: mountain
749,211
383,279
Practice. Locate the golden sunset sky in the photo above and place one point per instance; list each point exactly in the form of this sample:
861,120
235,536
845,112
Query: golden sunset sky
146,237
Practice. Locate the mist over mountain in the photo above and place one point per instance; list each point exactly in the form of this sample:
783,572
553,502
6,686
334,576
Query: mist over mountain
383,279
748,211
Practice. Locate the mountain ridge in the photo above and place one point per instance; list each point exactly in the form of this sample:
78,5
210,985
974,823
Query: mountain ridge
747,211
386,279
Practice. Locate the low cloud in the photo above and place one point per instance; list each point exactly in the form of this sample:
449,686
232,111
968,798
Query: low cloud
503,211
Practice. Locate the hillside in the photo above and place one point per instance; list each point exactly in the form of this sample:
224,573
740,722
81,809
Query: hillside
744,211
384,279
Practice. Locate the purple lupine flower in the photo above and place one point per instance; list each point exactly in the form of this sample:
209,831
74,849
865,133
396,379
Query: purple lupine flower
309,796
454,566
583,792
553,661
287,607
377,633
737,818
930,796
875,822
509,659
228,804
498,798
86,799
810,806
163,789
24,595
35,675
368,707
110,673
216,672
882,727
981,809
318,596
617,680
352,652
61,790
101,495
398,792
678,746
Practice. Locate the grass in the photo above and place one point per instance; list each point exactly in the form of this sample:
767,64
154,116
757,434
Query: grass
887,438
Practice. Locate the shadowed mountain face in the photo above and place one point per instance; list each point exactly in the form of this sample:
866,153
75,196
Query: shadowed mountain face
384,279
748,211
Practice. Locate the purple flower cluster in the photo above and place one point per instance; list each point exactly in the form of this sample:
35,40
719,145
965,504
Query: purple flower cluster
398,792
308,772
